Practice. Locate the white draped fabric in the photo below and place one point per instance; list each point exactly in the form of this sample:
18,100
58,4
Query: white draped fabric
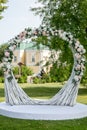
66,96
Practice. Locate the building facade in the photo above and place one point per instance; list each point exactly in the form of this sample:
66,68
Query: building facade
28,54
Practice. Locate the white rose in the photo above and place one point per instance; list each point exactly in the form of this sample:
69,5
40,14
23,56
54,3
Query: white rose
77,43
70,42
8,66
11,48
71,37
76,78
77,55
60,33
82,66
78,67
79,49
5,59
84,51
83,59
76,46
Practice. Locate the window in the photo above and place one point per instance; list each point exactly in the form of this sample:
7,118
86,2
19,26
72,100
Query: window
33,58
15,58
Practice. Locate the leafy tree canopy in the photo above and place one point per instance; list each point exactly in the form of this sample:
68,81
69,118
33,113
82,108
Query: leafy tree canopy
2,49
69,15
2,7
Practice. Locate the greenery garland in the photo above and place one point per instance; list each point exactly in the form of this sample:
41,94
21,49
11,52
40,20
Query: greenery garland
29,33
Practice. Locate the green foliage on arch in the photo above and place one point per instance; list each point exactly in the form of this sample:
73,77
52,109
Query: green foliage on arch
69,15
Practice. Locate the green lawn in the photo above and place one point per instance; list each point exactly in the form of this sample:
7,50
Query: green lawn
43,91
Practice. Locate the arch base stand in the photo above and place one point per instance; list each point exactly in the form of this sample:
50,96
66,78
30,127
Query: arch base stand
43,112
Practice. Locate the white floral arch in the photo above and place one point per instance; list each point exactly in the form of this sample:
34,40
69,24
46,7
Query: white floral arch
14,94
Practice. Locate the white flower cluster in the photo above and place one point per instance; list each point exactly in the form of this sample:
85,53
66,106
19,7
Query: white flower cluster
66,36
29,33
79,54
80,66
8,55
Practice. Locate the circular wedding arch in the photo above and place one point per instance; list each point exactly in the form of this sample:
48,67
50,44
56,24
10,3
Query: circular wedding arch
15,95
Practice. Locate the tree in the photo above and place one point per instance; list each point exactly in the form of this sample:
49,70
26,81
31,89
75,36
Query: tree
69,15
2,7
2,49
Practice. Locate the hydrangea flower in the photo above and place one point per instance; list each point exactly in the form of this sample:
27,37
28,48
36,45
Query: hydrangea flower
7,54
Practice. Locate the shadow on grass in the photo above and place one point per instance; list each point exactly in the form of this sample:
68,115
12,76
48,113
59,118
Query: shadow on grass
82,91
41,91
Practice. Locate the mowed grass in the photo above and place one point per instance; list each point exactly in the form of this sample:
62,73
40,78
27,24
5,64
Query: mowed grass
43,91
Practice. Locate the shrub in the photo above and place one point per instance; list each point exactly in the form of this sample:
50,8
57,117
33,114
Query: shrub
25,71
36,80
16,70
46,78
60,74
1,72
1,79
22,79
1,76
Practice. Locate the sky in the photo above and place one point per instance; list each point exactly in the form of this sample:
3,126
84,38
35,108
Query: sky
16,18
